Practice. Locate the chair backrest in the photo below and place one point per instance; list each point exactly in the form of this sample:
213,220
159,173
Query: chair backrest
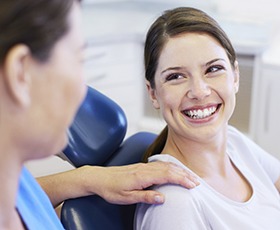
96,138
97,131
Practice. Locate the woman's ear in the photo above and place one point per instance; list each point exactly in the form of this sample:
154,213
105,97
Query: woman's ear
236,76
16,77
152,95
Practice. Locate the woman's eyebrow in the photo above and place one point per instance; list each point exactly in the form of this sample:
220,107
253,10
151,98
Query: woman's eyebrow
214,60
176,68
172,68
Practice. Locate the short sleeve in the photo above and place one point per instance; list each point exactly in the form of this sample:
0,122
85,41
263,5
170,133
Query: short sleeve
180,211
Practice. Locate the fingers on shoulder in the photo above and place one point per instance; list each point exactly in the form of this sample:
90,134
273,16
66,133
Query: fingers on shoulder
172,173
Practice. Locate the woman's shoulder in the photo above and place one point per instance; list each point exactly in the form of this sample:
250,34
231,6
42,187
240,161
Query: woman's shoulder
33,204
167,158
175,194
182,209
234,132
238,141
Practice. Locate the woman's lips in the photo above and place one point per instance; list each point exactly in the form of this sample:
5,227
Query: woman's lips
201,113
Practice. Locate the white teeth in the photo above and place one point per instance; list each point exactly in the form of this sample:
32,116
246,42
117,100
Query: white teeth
199,114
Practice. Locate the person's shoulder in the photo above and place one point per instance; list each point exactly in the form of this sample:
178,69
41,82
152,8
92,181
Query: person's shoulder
240,147
237,139
182,209
232,131
34,205
168,158
175,194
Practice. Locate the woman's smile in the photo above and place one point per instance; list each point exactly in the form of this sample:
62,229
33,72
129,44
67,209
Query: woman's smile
202,112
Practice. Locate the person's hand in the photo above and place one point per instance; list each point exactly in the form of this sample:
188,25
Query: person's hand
126,184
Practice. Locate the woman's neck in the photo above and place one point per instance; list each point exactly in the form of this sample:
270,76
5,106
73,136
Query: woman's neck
203,158
10,169
210,161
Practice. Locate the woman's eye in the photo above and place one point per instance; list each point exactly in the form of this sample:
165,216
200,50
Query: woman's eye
174,76
215,68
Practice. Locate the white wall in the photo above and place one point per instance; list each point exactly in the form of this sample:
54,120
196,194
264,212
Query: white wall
256,10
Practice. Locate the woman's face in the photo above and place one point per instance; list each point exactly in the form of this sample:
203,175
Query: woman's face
58,88
195,86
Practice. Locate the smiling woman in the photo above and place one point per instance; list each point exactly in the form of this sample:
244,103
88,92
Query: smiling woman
192,77
41,88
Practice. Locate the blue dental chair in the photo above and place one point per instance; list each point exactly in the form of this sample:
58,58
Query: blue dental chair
96,137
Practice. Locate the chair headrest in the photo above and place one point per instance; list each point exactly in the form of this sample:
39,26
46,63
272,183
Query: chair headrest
97,131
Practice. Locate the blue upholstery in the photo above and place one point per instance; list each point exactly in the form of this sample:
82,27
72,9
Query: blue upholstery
97,131
96,138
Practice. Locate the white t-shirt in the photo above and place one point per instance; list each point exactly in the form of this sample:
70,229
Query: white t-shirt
204,208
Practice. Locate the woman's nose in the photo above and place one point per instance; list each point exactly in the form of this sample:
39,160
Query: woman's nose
198,89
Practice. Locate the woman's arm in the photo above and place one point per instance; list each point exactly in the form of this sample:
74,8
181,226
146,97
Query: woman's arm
118,184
